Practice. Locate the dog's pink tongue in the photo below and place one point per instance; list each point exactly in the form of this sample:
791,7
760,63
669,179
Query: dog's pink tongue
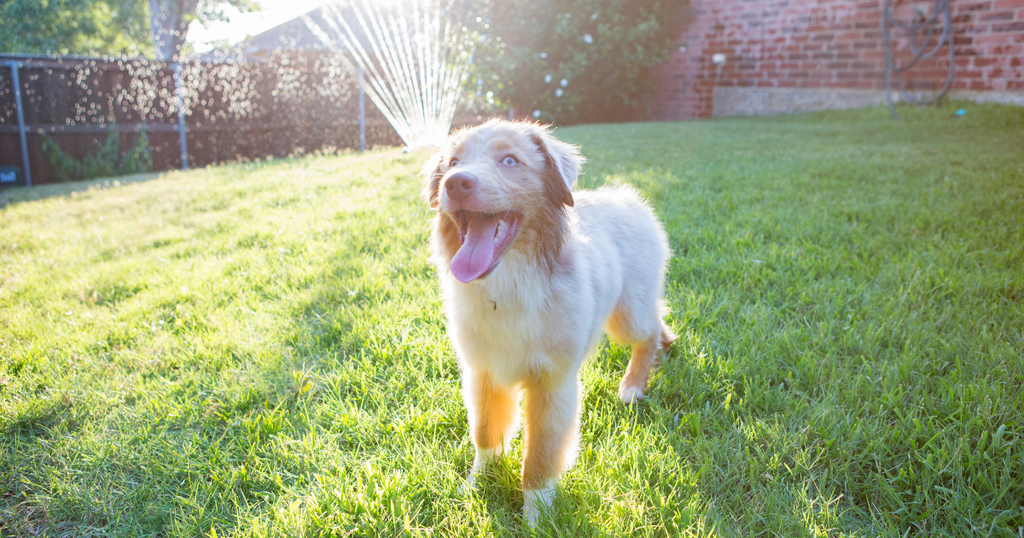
476,254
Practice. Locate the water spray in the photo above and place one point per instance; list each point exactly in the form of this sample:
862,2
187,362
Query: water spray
412,58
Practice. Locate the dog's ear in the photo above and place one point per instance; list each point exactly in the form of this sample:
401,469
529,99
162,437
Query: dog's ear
563,163
432,175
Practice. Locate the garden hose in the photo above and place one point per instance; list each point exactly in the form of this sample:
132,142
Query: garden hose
920,51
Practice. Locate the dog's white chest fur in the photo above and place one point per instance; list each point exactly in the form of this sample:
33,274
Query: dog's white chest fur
503,324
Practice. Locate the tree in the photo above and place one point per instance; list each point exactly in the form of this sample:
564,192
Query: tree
169,20
572,60
84,27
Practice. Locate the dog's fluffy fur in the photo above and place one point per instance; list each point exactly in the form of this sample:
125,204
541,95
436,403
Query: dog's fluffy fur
563,266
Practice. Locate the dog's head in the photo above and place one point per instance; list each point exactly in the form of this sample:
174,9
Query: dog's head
496,186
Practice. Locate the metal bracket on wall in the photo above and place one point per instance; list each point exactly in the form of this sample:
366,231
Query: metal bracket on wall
920,51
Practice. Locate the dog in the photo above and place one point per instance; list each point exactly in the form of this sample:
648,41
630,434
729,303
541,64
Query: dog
530,273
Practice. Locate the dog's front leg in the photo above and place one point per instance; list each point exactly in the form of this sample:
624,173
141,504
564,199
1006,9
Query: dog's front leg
552,430
493,418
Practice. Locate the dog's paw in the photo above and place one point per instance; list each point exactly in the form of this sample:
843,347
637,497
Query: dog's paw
484,458
469,486
538,501
630,395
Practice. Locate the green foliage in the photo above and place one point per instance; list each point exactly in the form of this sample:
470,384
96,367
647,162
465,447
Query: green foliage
603,49
82,27
260,350
106,161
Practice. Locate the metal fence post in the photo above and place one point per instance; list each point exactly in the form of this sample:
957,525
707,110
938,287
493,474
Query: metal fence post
179,99
21,120
362,113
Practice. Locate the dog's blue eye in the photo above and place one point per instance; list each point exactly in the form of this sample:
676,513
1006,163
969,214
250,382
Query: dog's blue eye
453,163
509,161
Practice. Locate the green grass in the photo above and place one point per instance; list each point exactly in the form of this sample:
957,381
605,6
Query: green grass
259,350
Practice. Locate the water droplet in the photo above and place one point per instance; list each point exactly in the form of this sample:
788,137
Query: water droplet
547,79
536,114
564,82
588,39
558,92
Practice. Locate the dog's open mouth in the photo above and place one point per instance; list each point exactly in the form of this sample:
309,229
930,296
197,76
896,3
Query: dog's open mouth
484,237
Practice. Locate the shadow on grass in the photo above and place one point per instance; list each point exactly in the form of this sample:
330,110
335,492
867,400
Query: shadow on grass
41,192
44,419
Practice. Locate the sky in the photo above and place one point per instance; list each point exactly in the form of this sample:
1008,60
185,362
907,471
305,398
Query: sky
240,25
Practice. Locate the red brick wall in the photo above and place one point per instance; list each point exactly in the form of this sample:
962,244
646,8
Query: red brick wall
830,44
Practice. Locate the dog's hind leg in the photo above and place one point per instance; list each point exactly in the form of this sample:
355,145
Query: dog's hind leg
493,418
651,340
646,356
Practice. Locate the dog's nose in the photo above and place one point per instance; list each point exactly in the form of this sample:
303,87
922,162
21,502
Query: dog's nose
460,186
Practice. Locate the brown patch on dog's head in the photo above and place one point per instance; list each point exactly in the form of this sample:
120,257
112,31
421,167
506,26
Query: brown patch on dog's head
432,174
563,164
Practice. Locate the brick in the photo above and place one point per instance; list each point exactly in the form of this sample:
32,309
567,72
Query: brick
997,16
977,6
983,62
1008,27
991,39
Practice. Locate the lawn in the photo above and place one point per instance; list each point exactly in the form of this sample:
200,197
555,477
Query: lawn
258,349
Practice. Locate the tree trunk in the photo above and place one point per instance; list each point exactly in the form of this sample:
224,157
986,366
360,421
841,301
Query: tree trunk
169,27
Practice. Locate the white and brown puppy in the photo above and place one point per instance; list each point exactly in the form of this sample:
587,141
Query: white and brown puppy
530,274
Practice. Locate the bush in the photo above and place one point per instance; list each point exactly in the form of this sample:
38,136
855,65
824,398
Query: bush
574,61
106,161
